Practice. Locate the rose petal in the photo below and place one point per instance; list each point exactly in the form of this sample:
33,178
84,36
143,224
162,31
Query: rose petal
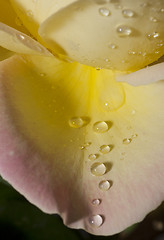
48,161
4,53
19,42
33,13
144,76
107,35
9,17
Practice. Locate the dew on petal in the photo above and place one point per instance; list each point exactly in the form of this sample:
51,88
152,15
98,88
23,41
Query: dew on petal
78,122
105,149
104,185
96,202
153,35
124,31
98,169
93,157
96,220
87,144
134,136
126,141
112,46
29,13
153,19
100,127
127,13
104,12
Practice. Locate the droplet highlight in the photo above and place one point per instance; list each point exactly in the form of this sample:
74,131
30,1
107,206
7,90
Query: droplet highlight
104,149
98,169
104,185
78,122
104,12
96,202
127,141
93,157
128,13
112,46
124,31
100,127
96,221
153,35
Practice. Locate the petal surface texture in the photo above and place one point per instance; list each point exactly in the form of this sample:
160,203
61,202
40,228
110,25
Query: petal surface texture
19,42
121,35
33,13
67,140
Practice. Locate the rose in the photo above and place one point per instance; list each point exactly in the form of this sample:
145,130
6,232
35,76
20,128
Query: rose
73,140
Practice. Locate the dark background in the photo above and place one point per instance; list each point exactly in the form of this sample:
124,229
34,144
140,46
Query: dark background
21,220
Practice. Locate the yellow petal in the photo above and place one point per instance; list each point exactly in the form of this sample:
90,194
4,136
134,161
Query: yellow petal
4,53
124,36
19,42
9,17
33,13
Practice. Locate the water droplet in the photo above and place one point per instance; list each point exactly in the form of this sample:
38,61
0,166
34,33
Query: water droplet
145,4
100,127
42,74
96,202
127,13
134,136
98,169
77,122
85,145
127,141
29,13
20,37
159,44
153,35
105,149
104,185
112,46
153,19
93,157
124,31
131,52
104,12
107,60
98,68
96,220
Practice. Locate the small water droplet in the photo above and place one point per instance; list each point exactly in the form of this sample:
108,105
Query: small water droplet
100,127
159,44
134,136
131,52
124,31
153,19
127,13
105,149
133,112
153,35
96,202
77,122
42,74
127,141
93,157
112,46
98,68
98,169
87,144
96,220
104,185
29,13
104,12
145,4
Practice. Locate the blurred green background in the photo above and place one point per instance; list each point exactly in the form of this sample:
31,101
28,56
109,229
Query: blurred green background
21,220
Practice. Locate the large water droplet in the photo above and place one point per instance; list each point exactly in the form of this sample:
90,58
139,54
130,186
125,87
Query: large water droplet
98,169
96,202
93,157
127,13
78,122
104,185
127,141
105,149
100,127
124,31
96,220
104,12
